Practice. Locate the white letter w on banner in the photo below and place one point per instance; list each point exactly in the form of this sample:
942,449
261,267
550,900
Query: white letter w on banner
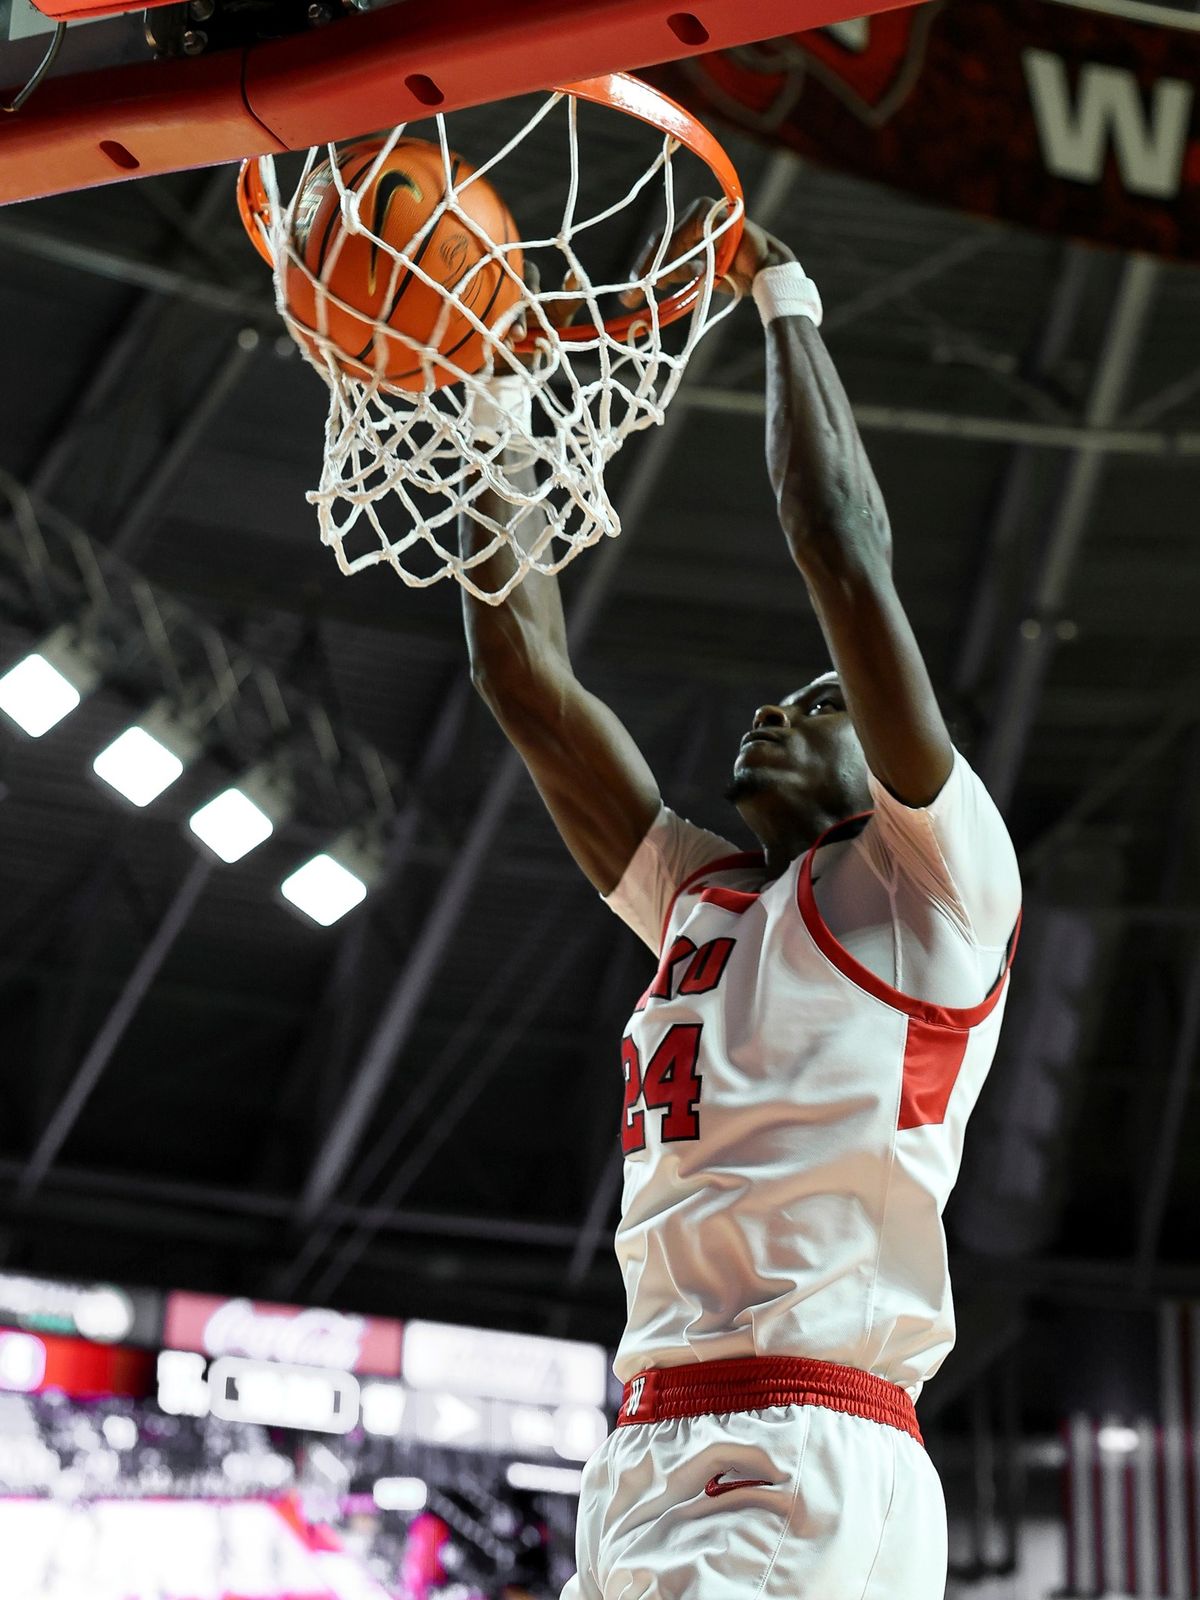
1109,109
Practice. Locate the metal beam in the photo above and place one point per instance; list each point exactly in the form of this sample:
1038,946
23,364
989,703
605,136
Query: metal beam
505,981
1081,1281
1180,714
888,288
593,1232
403,846
988,1324
77,254
897,285
616,990
1070,1280
87,1182
1034,642
64,996
502,1041
1008,519
113,1028
126,346
1170,1126
131,528
170,459
1094,439
316,1067
402,1006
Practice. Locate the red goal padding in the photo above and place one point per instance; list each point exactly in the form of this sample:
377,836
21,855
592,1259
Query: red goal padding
363,72
87,10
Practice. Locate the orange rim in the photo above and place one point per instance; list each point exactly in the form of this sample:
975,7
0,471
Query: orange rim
625,93
254,208
621,92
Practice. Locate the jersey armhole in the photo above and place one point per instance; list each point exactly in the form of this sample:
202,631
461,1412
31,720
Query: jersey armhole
839,957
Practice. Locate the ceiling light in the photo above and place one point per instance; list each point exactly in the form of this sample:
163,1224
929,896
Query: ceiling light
1118,1440
332,883
238,819
231,825
323,889
47,684
551,1480
400,1494
147,758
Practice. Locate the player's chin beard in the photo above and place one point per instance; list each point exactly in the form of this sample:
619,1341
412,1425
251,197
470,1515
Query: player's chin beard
750,781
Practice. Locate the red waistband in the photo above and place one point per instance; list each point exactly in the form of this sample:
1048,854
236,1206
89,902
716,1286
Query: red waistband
751,1383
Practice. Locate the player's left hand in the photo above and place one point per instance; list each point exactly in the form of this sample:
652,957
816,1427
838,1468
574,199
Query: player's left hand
559,309
757,249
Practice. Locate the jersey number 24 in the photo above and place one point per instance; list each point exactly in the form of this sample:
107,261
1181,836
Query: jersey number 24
668,1083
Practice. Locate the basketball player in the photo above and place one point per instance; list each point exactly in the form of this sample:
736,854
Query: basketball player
800,1069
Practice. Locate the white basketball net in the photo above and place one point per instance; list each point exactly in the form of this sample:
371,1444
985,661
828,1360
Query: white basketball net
400,467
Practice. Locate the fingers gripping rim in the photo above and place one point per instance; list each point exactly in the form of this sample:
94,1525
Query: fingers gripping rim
622,92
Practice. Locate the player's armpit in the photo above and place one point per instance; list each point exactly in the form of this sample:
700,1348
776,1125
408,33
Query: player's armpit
884,679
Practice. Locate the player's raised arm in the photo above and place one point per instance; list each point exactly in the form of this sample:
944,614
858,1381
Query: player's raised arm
834,518
836,525
594,779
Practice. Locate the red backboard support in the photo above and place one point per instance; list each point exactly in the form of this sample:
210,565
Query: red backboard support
83,10
359,74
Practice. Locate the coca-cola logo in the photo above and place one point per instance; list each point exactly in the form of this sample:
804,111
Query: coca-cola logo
299,1335
310,1338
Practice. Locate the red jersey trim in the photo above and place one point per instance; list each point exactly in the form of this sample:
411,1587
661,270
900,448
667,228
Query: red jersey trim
735,900
744,858
953,1017
933,1058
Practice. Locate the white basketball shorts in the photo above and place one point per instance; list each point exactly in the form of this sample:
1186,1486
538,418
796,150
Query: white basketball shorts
826,1496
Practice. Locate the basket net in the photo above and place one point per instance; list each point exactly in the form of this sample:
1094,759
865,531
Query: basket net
402,466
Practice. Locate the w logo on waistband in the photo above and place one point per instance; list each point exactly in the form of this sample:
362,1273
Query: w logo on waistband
636,1386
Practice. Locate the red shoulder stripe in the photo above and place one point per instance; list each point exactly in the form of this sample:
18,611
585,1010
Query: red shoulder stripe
744,858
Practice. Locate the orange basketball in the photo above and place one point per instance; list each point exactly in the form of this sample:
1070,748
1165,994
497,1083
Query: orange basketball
394,204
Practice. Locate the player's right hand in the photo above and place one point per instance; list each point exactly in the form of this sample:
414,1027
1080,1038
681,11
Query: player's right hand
756,250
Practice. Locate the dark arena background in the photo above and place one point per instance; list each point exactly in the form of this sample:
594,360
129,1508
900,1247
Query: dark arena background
306,1282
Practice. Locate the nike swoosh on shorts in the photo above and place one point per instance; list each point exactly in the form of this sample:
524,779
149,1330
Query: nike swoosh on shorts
715,1486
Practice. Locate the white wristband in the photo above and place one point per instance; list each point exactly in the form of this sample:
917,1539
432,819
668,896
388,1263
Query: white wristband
498,408
786,291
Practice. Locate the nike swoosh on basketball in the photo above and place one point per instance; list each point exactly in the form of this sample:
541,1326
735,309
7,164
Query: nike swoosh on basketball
388,186
716,1485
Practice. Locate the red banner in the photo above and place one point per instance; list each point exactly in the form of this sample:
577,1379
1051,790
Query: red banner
1076,116
299,1335
31,1363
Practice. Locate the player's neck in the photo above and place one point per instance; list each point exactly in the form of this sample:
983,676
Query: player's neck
779,857
784,837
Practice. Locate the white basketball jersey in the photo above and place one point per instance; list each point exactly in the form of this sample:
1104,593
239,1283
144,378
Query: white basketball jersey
792,1129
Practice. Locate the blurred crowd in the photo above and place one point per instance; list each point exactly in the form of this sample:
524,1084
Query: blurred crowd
425,1523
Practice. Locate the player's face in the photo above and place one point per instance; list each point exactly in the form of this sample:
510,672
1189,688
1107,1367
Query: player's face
804,748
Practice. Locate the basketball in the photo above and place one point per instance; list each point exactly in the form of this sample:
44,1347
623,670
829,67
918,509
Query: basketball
368,285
